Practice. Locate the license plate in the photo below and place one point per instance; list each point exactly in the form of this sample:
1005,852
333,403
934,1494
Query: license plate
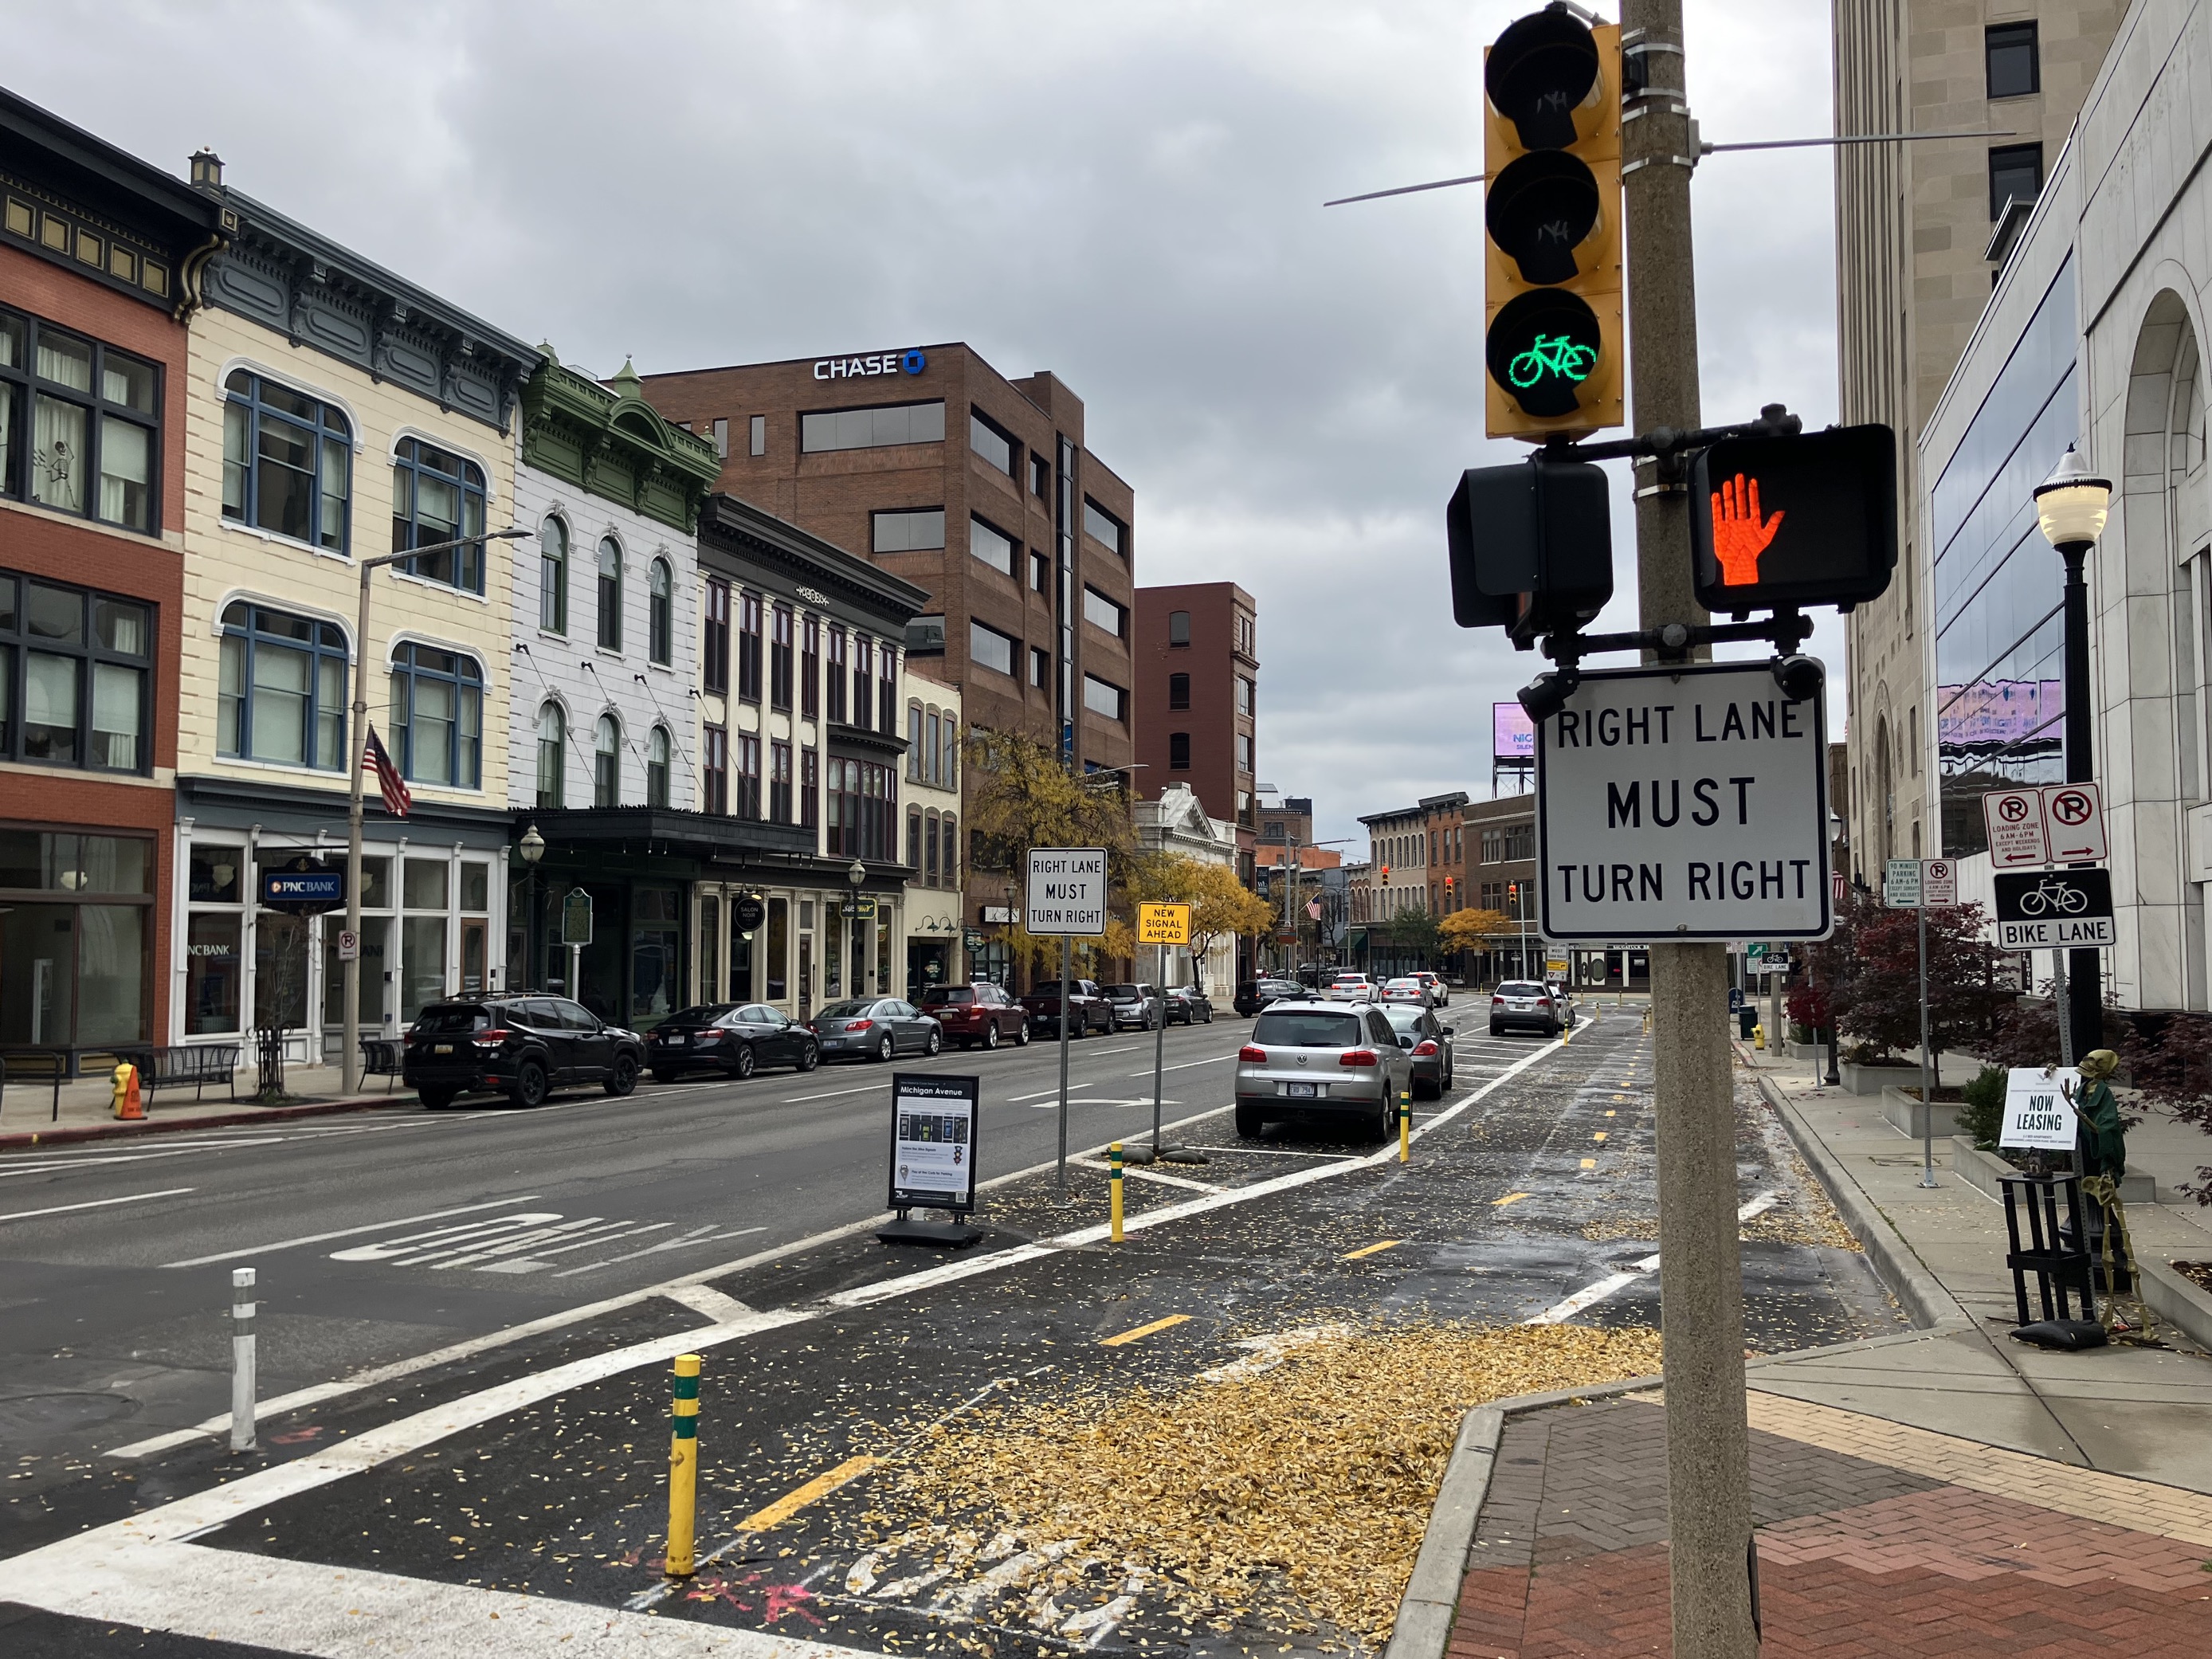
443,1049
679,1040
1299,1090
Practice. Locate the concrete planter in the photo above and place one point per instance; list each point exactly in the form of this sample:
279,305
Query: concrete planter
2181,1302
1873,1079
1983,1170
1906,1111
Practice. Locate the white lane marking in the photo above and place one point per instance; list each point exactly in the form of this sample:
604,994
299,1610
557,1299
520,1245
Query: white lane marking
1098,1100
705,1299
92,1160
346,1232
682,1242
864,1089
1266,1351
1613,1284
1185,1066
1145,1172
98,1203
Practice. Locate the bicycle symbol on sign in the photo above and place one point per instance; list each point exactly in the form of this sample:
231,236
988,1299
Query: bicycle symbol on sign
1552,353
2055,896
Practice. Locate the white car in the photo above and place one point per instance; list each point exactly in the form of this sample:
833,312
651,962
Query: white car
1350,987
1439,993
1407,988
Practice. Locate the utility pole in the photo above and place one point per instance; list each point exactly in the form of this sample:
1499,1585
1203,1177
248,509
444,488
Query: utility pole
1701,1285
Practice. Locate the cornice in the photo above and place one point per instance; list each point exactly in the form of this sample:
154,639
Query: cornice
738,529
614,445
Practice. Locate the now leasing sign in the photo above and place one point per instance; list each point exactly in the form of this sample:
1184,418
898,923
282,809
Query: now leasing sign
2040,1107
1683,802
1067,891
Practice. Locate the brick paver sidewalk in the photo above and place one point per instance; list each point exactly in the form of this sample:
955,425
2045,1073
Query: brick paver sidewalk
1875,1539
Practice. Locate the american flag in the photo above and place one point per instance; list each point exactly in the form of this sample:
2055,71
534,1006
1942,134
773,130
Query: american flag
393,787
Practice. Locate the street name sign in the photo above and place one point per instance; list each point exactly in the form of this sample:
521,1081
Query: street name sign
2040,1107
934,1123
1067,891
2054,824
2054,909
1683,802
1163,924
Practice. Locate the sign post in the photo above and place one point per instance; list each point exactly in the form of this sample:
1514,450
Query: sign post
934,1120
1067,897
576,933
1160,925
1922,885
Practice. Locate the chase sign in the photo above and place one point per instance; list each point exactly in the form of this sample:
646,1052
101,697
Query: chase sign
910,361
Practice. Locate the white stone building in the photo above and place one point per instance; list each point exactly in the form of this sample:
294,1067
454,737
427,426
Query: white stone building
1176,824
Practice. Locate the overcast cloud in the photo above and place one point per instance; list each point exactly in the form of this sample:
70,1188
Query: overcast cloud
1127,194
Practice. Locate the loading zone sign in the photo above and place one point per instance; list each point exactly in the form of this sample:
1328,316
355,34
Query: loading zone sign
1683,802
1067,891
933,1122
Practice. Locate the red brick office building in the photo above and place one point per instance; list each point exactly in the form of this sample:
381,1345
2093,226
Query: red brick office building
1197,675
100,256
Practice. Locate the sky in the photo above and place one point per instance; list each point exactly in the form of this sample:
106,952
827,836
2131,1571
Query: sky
1127,194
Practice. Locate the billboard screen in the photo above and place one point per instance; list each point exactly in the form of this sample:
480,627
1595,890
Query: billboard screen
1512,737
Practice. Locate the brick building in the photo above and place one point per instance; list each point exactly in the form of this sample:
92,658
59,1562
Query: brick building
1445,826
100,259
1197,685
1499,837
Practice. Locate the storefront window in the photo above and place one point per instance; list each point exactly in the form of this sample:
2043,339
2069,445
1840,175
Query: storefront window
426,883
212,969
72,974
710,949
38,974
375,963
280,969
833,961
476,888
656,941
779,948
215,869
422,963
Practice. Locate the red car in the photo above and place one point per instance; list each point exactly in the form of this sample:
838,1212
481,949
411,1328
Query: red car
973,1014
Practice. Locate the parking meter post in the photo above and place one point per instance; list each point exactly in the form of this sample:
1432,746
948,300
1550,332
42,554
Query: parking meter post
683,1466
1927,1095
1066,956
1114,1189
242,1367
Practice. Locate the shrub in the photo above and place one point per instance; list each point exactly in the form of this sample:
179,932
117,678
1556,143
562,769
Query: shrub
1983,1114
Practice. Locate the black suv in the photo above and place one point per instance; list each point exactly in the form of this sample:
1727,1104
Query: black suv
524,1045
1253,995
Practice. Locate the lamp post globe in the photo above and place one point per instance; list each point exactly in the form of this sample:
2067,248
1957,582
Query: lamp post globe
856,872
2070,505
532,845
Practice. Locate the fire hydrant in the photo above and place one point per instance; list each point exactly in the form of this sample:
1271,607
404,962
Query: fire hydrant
127,1104
1758,1037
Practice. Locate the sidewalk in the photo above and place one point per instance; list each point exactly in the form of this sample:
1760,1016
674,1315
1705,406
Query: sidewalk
1949,1492
28,1115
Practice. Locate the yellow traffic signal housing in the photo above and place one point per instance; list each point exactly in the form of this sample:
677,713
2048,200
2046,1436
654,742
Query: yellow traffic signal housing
1553,345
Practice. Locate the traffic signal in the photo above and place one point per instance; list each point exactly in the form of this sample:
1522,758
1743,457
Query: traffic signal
1789,521
1386,872
1531,546
1552,164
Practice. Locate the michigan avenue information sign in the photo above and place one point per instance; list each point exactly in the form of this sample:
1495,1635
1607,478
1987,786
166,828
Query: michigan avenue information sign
1683,802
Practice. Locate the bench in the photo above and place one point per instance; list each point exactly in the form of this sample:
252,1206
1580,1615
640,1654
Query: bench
196,1064
384,1057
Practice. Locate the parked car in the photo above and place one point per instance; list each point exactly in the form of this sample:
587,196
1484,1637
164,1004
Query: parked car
525,1046
1189,1005
1253,995
1428,1043
973,1014
875,1028
1322,1058
1526,1004
1087,1010
1351,987
731,1038
1439,988
1136,1007
1405,988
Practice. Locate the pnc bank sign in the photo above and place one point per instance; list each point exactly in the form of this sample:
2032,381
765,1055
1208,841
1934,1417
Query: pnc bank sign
882,363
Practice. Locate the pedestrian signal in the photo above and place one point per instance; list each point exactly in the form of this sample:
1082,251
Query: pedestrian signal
1780,522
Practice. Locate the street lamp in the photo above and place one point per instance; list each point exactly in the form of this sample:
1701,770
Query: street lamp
856,872
2071,505
1834,1078
350,1064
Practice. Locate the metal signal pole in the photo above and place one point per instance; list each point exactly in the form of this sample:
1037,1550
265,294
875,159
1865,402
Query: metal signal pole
1701,1286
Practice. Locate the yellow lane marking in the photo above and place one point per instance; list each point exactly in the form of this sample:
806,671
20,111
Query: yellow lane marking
1589,1163
1373,1249
1509,1197
792,1502
1612,1114
1600,1135
1142,1330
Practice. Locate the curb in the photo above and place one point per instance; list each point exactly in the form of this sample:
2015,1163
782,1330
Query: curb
65,1134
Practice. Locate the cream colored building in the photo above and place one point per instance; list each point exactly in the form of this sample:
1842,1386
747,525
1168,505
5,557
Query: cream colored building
935,919
336,413
1921,230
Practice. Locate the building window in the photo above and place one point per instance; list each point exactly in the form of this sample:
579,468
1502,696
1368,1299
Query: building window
714,769
934,727
1104,614
656,768
77,971
1248,695
1247,643
281,689
552,754
836,677
1040,573
1178,627
606,763
1179,751
947,832
864,657
989,649
611,579
914,840
2015,67
914,532
721,431
660,613
872,429
929,849
1103,527
916,755
2016,175
74,682
778,782
553,576
948,765
992,546
1039,477
863,802
1178,690
779,660
1102,698
1244,751
1041,668
287,462
810,668
95,413
437,716
436,496
715,646
810,787
985,438
749,646
887,689
756,433
748,802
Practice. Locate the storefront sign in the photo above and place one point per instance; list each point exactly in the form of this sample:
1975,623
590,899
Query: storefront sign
867,367
1001,915
748,913
934,1123
973,938
304,890
576,917
2040,1107
861,908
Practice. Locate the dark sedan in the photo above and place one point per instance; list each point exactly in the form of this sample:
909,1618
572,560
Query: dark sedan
1189,1004
731,1038
974,1014
1253,995
522,1046
1429,1043
875,1028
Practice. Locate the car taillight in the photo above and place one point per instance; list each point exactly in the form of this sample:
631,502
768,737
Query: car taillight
858,1025
1424,1048
1251,1054
1495,1000
492,1039
710,1036
1357,1057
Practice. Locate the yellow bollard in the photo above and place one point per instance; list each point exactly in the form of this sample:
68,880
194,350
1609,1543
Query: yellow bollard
126,1102
682,1466
1404,1126
1113,1187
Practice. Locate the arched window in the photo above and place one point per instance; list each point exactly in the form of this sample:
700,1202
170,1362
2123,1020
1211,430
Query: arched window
437,716
287,462
606,763
282,695
949,832
661,631
436,496
611,594
553,576
552,754
656,768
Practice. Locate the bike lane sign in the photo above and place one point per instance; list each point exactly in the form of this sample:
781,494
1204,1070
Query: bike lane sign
2054,910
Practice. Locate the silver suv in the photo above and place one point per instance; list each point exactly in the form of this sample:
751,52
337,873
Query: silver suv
1309,1058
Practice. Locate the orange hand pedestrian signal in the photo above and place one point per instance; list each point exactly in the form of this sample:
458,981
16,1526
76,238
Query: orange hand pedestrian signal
1739,537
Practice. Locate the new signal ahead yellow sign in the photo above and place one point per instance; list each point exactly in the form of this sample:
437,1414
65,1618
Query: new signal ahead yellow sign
1163,924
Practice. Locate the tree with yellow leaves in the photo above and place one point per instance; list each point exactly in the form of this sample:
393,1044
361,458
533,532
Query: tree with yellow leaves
1473,930
1024,799
1220,905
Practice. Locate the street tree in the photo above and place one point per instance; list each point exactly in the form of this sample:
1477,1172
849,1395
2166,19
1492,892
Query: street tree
1024,799
1870,966
1220,905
